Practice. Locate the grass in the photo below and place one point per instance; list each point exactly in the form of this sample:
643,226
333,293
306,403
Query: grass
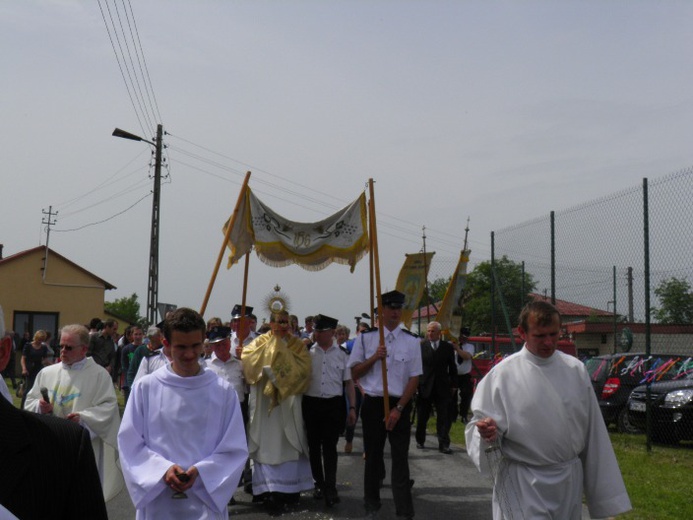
659,482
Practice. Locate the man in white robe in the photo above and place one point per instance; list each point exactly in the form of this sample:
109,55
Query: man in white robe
539,408
81,391
182,432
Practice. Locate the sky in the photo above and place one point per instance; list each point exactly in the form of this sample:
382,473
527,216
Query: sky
496,112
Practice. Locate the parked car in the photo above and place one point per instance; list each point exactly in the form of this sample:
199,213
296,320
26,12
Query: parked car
672,408
614,376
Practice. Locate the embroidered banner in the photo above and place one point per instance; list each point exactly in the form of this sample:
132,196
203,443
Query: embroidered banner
452,301
278,241
412,282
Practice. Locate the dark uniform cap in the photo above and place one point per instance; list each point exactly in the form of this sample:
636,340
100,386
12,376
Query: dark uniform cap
322,322
217,334
464,331
393,299
237,309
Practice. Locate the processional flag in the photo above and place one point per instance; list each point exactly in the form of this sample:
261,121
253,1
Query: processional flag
278,241
412,282
453,296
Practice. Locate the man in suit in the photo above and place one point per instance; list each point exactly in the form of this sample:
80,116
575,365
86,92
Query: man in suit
48,464
436,387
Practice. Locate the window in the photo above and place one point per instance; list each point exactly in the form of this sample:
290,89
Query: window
32,321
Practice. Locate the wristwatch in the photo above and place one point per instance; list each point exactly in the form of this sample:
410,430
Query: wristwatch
400,408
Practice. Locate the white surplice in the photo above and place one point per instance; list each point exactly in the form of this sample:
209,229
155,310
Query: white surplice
553,438
85,388
189,421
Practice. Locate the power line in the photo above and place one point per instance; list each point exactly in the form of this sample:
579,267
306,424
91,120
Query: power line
396,224
135,76
104,220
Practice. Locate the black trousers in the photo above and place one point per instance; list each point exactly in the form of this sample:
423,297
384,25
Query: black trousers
374,437
423,412
466,391
325,419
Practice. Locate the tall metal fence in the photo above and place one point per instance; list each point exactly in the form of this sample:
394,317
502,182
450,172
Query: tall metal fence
619,269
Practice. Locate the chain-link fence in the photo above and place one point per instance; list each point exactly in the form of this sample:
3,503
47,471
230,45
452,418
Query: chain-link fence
618,268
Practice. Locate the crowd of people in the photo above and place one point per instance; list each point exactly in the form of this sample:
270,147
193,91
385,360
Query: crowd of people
211,406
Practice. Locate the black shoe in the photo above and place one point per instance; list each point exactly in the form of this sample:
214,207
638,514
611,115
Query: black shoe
274,504
447,451
260,498
232,502
420,446
317,493
331,499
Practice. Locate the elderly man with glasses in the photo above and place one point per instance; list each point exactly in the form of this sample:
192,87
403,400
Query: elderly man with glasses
79,390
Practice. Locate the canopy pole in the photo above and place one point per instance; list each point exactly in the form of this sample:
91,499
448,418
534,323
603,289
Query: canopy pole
241,324
376,269
227,235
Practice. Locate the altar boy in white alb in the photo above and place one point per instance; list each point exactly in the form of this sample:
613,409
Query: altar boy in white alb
182,432
539,407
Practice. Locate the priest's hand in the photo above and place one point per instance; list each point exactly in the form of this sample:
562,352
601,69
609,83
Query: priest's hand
488,430
45,407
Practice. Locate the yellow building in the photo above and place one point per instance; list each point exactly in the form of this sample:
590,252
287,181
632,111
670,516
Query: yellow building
41,289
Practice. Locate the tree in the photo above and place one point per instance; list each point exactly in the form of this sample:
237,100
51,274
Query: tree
676,302
128,308
477,295
437,290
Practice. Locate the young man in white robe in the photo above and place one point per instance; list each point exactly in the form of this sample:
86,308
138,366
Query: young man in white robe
182,433
538,407
81,391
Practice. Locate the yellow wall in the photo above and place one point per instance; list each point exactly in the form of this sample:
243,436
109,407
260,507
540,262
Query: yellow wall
75,294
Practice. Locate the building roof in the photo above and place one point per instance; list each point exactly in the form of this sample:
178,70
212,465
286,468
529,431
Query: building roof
567,308
27,252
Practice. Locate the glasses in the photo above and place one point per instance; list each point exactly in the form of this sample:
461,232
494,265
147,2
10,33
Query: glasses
69,348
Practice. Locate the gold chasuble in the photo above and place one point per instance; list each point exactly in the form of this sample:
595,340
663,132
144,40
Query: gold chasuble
289,361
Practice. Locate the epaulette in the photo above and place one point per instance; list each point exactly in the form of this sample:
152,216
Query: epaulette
372,329
411,333
343,349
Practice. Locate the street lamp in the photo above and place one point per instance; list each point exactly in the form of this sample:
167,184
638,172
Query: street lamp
153,283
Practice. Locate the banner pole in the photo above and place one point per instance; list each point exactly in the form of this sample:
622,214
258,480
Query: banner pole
376,265
371,310
224,244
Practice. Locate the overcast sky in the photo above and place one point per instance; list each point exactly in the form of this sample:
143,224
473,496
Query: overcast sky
496,111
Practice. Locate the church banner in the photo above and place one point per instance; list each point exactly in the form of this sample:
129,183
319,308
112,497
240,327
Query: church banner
453,297
412,282
278,241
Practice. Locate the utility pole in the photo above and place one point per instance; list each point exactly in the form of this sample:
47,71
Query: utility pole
153,285
48,222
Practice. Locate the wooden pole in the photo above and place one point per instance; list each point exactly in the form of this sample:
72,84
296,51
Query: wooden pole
371,311
241,324
225,243
376,266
